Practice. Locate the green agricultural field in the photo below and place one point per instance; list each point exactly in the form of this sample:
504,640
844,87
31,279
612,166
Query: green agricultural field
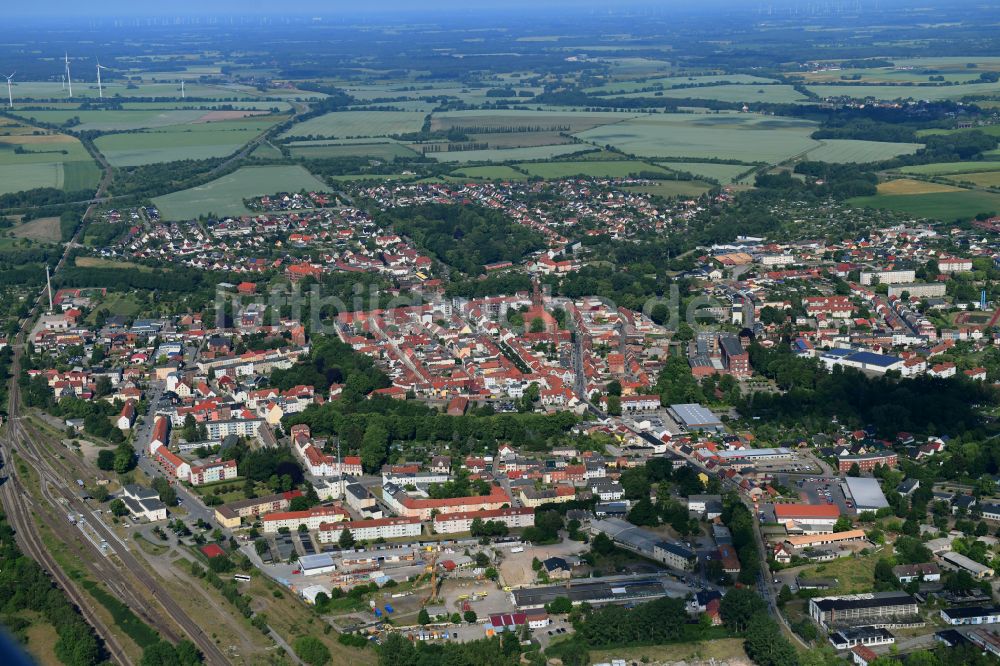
616,169
750,94
224,196
265,151
107,120
342,124
666,82
993,130
878,75
489,173
30,161
486,119
246,105
168,144
50,90
950,168
846,151
317,150
937,205
730,135
724,173
886,92
982,179
510,154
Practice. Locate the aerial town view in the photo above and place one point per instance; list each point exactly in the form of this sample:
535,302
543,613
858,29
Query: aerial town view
500,334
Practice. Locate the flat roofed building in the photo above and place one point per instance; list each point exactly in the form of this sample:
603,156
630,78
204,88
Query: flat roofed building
692,416
313,565
814,540
971,615
961,562
887,276
369,530
813,513
879,608
866,493
845,639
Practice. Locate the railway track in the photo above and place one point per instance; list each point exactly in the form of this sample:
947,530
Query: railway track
56,490
19,516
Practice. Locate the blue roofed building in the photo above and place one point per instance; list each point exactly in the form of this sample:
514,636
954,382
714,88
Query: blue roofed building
865,361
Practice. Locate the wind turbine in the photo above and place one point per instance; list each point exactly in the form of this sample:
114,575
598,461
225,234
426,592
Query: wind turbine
69,79
100,90
10,95
182,89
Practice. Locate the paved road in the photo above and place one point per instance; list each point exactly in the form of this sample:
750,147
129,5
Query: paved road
189,500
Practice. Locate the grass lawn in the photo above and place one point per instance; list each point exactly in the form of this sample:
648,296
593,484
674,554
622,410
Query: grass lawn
42,639
43,229
116,303
673,188
291,618
853,574
721,649
101,262
225,195
220,489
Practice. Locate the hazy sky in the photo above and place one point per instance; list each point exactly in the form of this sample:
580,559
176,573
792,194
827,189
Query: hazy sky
317,7
112,8
100,9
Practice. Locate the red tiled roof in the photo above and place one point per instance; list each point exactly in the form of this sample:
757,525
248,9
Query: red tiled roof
806,511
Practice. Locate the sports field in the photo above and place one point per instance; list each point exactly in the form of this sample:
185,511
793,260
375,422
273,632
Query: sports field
738,136
224,196
345,124
168,144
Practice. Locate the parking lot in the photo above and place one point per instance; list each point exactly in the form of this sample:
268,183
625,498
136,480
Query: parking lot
820,490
